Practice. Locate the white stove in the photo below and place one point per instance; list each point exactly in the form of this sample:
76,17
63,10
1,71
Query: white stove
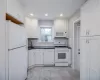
62,56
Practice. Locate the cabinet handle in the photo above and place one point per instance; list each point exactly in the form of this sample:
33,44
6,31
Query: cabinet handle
87,32
87,41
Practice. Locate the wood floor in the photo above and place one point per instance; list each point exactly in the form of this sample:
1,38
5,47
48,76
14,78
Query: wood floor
52,73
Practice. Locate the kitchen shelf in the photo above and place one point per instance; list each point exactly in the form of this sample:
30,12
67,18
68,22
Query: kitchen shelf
14,20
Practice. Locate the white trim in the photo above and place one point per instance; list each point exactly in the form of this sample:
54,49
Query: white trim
73,49
7,53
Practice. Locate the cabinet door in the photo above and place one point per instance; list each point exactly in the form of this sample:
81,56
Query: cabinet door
90,58
39,57
84,56
90,18
49,57
31,58
84,21
32,28
94,59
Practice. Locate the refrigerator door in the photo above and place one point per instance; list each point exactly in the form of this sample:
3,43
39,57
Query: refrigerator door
16,35
18,64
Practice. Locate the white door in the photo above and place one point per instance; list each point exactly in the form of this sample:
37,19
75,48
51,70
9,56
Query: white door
16,35
39,57
49,57
84,58
18,64
76,50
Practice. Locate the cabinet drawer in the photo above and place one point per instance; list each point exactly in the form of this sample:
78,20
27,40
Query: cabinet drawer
50,50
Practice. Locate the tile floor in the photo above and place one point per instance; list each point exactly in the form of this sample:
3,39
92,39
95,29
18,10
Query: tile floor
52,73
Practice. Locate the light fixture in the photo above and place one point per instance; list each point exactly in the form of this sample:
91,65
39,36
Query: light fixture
61,15
46,14
31,14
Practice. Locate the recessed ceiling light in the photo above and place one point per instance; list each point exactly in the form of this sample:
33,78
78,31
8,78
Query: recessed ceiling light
61,15
31,14
46,14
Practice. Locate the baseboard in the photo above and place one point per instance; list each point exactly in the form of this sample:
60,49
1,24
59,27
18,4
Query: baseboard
61,64
49,65
39,65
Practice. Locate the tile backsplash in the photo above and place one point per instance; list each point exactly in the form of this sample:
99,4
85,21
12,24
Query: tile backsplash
37,43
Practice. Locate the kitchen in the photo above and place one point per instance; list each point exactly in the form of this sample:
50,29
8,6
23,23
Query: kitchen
50,40
45,50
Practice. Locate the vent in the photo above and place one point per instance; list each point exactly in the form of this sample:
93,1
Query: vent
59,34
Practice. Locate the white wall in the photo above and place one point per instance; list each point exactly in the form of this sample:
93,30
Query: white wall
2,39
71,32
71,27
37,43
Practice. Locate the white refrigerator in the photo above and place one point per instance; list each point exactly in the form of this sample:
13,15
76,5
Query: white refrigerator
16,56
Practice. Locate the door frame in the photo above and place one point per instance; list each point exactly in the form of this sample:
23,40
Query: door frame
73,42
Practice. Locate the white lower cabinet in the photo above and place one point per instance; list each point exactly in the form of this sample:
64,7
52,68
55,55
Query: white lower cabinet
49,57
40,57
31,58
90,58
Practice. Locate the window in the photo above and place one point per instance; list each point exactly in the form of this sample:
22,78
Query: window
46,34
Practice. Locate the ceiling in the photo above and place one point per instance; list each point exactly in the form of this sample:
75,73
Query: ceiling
53,7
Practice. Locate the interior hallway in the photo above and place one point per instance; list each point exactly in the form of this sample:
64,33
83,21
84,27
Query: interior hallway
52,73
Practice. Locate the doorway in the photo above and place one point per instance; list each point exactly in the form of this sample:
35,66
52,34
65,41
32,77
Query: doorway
76,47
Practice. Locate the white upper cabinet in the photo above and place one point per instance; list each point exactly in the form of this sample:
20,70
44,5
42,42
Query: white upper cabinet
32,28
15,9
90,18
61,27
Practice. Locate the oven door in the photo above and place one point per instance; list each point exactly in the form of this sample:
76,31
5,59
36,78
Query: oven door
61,57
